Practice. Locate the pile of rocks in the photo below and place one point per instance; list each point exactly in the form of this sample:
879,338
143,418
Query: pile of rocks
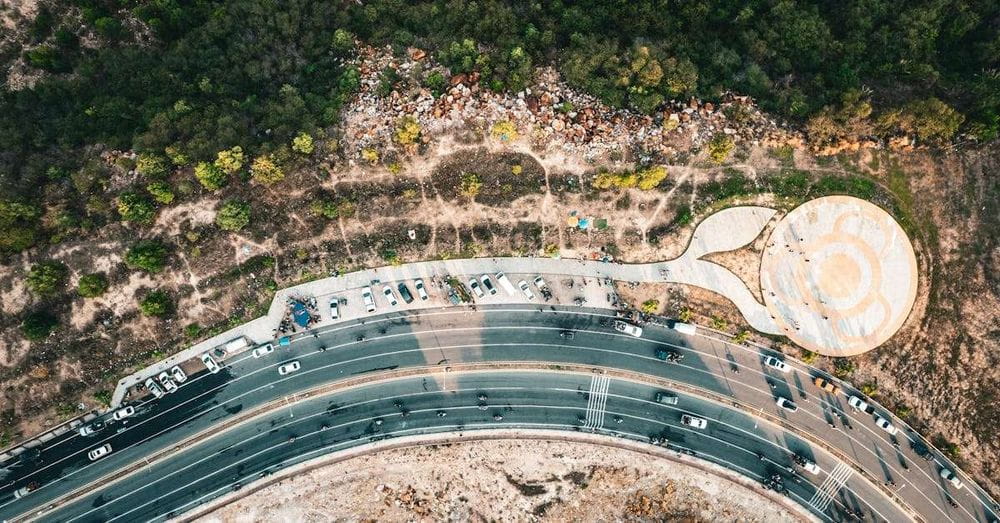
549,114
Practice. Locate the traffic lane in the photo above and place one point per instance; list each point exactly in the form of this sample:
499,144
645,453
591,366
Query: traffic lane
421,404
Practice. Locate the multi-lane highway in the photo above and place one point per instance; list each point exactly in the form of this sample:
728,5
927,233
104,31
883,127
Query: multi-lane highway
726,384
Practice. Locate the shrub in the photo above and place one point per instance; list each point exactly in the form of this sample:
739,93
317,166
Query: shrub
265,170
230,160
152,165
516,170
210,176
741,337
233,215
809,357
650,178
719,323
156,303
161,192
370,155
38,324
148,255
650,306
685,315
92,285
504,131
719,148
103,397
135,208
47,277
471,184
407,130
303,143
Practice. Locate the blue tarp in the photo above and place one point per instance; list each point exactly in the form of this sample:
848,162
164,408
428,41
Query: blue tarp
300,314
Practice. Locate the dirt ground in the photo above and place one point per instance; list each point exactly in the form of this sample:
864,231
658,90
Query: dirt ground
504,481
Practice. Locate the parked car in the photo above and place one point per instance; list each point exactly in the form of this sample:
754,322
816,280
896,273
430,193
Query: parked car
210,363
950,477
263,350
628,328
389,295
694,421
123,413
168,384
684,328
288,368
505,283
91,428
178,374
488,284
334,308
543,288
776,364
666,398
99,452
811,467
404,291
474,285
523,285
921,449
540,283
859,404
368,298
154,389
885,425
824,384
421,291
787,404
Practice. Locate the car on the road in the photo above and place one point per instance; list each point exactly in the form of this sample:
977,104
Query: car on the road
27,489
91,428
210,363
628,328
859,404
368,298
421,291
811,467
950,477
694,421
671,356
334,308
825,384
885,425
123,413
474,285
523,285
167,382
263,350
776,364
99,452
569,335
178,374
921,449
154,389
405,293
389,295
787,404
289,367
488,284
666,398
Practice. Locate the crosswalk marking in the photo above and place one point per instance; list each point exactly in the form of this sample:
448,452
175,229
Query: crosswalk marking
836,479
597,401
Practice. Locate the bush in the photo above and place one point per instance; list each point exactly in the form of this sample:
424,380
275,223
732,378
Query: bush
809,357
156,303
103,397
38,324
152,165
161,192
135,208
233,215
92,285
265,170
650,178
230,160
407,130
47,277
719,148
471,184
147,255
210,176
303,143
504,131
650,306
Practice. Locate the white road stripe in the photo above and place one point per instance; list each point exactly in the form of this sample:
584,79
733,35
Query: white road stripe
834,481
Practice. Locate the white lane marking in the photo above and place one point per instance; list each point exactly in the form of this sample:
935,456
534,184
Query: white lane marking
834,481
597,402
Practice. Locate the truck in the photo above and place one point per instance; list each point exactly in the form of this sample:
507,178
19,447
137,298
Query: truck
685,328
236,345
27,489
505,283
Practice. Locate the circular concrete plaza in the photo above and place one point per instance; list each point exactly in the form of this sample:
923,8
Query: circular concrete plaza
838,275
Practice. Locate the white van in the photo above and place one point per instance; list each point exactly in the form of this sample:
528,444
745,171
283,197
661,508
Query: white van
505,283
685,328
236,345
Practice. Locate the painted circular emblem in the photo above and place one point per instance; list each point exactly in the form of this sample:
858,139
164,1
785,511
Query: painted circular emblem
838,275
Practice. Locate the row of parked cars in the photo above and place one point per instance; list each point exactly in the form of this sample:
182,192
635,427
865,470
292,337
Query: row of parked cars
166,382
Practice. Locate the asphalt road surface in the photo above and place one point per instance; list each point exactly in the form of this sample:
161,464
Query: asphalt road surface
445,337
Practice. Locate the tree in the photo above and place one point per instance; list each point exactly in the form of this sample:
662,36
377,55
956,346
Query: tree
650,306
230,160
343,40
147,255
650,178
152,165
45,278
471,184
303,143
233,215
92,285
38,324
161,192
135,208
719,147
210,176
407,130
265,170
18,225
156,303
504,131
929,119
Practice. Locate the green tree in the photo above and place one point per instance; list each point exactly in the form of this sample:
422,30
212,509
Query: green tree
210,176
147,255
651,178
18,225
407,130
650,306
161,192
45,278
156,303
929,120
303,143
152,165
233,215
265,170
719,147
471,185
230,160
38,324
134,207
343,40
92,285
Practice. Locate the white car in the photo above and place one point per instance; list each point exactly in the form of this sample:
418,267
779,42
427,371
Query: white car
776,364
178,374
123,413
334,308
787,404
884,424
950,477
859,404
263,350
488,284
90,428
168,384
99,452
694,421
811,467
289,367
368,298
523,285
390,296
540,283
154,389
421,291
210,363
474,285
628,328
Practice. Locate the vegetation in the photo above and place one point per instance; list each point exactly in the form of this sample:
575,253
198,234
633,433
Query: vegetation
156,303
407,131
645,179
265,170
38,324
233,215
147,255
650,306
92,285
210,175
47,277
161,192
134,207
471,185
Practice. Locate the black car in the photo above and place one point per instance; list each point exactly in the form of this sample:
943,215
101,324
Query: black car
921,450
405,293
